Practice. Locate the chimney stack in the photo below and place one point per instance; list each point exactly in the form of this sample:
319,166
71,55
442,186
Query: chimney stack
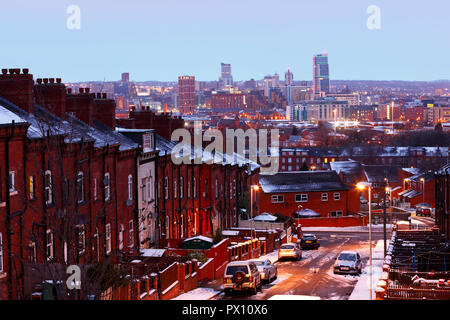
51,95
17,88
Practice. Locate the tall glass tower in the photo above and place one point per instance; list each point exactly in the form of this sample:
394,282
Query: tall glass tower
321,74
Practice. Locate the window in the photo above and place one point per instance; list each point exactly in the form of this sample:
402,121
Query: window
143,191
189,189
166,188
301,197
80,187
206,189
108,238
149,189
336,213
167,227
48,187
50,245
31,252
217,188
121,231
324,196
32,192
95,189
175,189
194,186
81,239
107,184
337,196
11,181
131,233
181,187
277,199
130,187
1,253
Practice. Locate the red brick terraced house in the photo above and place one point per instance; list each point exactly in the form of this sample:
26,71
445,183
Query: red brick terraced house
68,180
321,191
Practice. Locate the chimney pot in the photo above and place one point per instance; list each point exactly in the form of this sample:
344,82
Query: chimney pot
52,80
45,80
99,95
104,95
87,90
81,90
39,80
25,70
4,71
58,80
11,71
17,71
69,90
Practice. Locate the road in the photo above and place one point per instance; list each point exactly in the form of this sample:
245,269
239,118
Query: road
313,274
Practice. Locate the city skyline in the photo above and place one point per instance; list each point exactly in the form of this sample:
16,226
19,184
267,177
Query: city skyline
153,41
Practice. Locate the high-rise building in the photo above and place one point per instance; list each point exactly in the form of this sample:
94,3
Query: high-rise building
226,79
126,77
321,74
186,94
288,78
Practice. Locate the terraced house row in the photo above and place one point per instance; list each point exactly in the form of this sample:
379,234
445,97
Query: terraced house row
76,189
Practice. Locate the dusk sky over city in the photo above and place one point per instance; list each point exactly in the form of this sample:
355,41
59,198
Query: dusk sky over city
160,40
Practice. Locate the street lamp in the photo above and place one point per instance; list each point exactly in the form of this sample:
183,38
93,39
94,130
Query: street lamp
361,186
423,189
253,188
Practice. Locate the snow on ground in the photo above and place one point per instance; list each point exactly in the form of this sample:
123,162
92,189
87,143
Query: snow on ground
375,227
198,294
362,288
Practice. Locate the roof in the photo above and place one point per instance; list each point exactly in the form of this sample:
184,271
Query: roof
377,173
265,217
152,252
203,238
42,121
301,181
351,171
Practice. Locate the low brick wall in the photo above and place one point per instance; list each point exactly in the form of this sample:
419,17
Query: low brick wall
206,270
347,221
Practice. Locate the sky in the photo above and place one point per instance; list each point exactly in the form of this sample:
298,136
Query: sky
162,39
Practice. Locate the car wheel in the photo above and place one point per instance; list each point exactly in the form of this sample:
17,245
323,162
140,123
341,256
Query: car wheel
227,292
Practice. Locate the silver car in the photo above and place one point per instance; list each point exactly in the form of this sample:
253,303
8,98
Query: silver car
348,262
267,270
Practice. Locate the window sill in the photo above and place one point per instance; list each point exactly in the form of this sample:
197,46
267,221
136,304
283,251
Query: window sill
13,193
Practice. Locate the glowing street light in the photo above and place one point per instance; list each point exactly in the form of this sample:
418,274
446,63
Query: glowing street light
404,183
423,189
362,186
253,188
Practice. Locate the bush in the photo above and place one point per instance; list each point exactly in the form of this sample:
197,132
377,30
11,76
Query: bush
198,255
218,236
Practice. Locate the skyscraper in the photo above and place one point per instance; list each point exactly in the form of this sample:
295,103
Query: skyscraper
288,78
186,94
125,77
321,74
226,79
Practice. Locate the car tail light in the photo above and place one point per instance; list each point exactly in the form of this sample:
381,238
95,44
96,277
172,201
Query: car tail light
250,279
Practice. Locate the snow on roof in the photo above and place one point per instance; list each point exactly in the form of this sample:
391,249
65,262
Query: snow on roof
230,233
7,117
152,252
203,238
301,181
265,217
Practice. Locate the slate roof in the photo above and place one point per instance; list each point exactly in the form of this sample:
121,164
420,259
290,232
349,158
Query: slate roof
351,171
74,130
377,173
302,181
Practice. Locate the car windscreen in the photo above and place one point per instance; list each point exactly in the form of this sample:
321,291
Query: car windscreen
347,257
287,247
260,263
231,270
308,237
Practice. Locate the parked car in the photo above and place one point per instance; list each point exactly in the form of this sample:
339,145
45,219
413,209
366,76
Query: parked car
267,270
309,241
423,209
241,276
348,262
290,250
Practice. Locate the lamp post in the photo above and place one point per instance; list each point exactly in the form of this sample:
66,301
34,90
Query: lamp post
253,188
423,189
361,186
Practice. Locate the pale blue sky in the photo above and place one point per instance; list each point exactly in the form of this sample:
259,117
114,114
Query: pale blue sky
161,39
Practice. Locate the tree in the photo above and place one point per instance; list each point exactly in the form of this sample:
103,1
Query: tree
304,167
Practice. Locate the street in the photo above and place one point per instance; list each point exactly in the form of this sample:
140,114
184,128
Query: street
313,274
